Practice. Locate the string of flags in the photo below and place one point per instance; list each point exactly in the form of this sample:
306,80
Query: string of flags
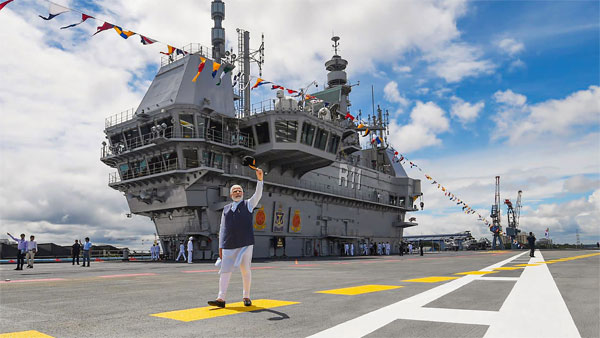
55,10
399,158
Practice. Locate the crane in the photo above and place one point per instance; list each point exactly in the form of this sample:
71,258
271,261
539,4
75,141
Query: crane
513,213
496,228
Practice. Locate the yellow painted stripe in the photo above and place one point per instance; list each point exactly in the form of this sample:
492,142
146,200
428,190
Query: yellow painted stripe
508,268
527,264
359,290
548,262
206,312
433,279
475,272
25,334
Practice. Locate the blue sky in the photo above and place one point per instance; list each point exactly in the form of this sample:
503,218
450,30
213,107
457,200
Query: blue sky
474,89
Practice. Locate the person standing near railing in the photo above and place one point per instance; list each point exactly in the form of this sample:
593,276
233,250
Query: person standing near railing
31,251
21,249
86,251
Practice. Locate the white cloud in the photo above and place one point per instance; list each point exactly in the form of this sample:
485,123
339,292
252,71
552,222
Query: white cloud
510,98
392,94
580,184
510,46
518,121
458,61
401,69
427,120
466,112
516,64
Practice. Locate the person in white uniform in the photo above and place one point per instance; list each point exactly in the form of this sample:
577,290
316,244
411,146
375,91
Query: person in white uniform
351,249
156,251
181,252
346,248
190,249
236,240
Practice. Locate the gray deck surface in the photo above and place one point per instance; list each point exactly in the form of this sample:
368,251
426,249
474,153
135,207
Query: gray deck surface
102,301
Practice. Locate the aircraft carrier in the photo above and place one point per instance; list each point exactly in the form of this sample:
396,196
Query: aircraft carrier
179,151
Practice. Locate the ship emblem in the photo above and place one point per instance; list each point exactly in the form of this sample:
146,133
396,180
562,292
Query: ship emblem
296,222
260,219
278,220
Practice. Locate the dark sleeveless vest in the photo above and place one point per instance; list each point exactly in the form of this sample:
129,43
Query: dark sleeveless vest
239,231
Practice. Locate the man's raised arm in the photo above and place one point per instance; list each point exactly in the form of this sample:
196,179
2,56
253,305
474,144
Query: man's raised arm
253,201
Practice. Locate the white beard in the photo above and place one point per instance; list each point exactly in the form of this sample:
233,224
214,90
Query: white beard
237,199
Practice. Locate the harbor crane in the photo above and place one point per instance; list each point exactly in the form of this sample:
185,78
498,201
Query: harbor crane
513,214
496,227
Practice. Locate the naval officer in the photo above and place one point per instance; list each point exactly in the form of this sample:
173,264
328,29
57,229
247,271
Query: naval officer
190,248
181,252
236,240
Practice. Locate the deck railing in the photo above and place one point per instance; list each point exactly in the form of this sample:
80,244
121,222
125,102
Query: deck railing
119,118
228,138
150,169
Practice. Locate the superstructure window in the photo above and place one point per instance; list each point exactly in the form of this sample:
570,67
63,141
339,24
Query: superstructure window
308,134
201,127
286,131
190,157
186,122
333,144
262,132
132,137
321,139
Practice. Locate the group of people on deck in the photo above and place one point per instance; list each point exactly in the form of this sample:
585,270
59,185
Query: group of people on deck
27,249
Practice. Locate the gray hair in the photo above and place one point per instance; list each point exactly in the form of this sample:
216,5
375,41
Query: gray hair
235,186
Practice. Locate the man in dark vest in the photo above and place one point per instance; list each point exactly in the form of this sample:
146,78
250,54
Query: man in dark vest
531,241
76,248
236,240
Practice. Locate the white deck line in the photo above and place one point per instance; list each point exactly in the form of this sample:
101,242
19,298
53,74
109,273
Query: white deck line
412,308
534,307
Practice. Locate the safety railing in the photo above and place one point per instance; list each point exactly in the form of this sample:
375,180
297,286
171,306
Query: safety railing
138,171
119,118
228,138
262,106
192,48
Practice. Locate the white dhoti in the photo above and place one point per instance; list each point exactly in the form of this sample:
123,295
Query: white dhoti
189,257
233,258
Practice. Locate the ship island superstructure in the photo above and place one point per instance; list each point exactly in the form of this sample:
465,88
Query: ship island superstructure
179,151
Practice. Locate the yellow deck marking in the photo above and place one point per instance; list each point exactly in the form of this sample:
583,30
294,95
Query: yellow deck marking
433,279
475,272
25,334
548,262
359,290
527,264
508,268
206,312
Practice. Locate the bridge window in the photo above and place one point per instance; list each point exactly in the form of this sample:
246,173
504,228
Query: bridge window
286,131
262,132
308,134
321,140
333,144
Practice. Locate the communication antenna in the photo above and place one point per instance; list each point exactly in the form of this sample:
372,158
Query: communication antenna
245,57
